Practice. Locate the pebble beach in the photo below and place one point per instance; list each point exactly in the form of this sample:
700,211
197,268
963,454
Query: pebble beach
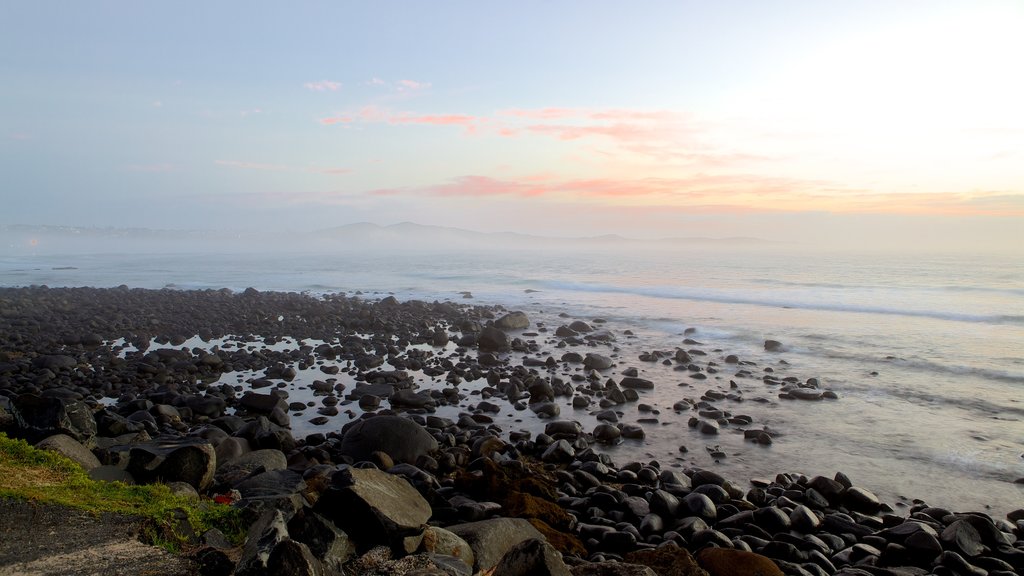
480,418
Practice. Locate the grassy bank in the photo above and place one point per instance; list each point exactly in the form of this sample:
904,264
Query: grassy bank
27,473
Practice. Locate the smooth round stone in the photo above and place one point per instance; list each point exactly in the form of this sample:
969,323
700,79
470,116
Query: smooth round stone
606,433
803,519
700,505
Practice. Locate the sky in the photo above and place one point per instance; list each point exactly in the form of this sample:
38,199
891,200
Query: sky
850,123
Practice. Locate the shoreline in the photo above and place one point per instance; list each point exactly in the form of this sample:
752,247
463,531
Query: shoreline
56,343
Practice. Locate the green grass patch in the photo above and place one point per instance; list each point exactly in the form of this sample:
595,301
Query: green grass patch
27,473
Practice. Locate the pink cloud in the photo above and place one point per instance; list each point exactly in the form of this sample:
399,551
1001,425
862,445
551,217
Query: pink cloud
435,119
323,86
335,120
375,82
541,113
20,136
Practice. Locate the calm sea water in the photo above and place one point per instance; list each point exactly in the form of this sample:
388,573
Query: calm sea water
926,352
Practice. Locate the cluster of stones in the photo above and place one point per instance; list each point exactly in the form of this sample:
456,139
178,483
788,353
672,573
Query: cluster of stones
422,494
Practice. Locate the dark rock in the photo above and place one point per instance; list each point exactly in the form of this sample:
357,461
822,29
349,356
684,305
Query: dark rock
38,417
374,507
559,452
597,361
170,459
666,561
773,346
959,565
636,383
962,537
491,539
531,557
725,562
240,468
70,448
513,321
293,558
700,505
492,339
263,536
612,569
327,543
262,403
861,500
401,438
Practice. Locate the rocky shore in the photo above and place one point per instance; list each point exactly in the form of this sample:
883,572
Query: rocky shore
199,389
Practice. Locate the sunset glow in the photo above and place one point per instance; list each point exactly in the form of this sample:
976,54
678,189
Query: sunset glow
776,109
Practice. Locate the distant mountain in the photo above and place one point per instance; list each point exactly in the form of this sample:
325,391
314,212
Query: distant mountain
406,236
440,236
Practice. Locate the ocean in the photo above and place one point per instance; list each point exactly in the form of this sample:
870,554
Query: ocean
926,352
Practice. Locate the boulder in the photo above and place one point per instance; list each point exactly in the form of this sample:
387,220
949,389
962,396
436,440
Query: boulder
39,417
170,459
597,361
237,469
70,448
636,383
491,539
666,561
293,558
533,557
773,346
492,339
262,403
513,321
613,569
263,536
726,562
437,540
398,437
326,541
375,507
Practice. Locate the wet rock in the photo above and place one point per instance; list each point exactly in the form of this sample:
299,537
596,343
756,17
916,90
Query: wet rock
773,346
611,569
70,448
513,321
861,500
559,452
491,539
962,537
492,339
531,557
327,543
437,540
263,536
170,459
38,417
724,562
237,469
597,361
607,434
263,403
374,507
293,558
401,438
636,383
667,561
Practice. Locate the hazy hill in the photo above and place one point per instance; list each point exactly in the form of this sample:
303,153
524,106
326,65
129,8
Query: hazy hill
406,236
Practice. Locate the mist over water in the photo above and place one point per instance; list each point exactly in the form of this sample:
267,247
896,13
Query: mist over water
925,351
